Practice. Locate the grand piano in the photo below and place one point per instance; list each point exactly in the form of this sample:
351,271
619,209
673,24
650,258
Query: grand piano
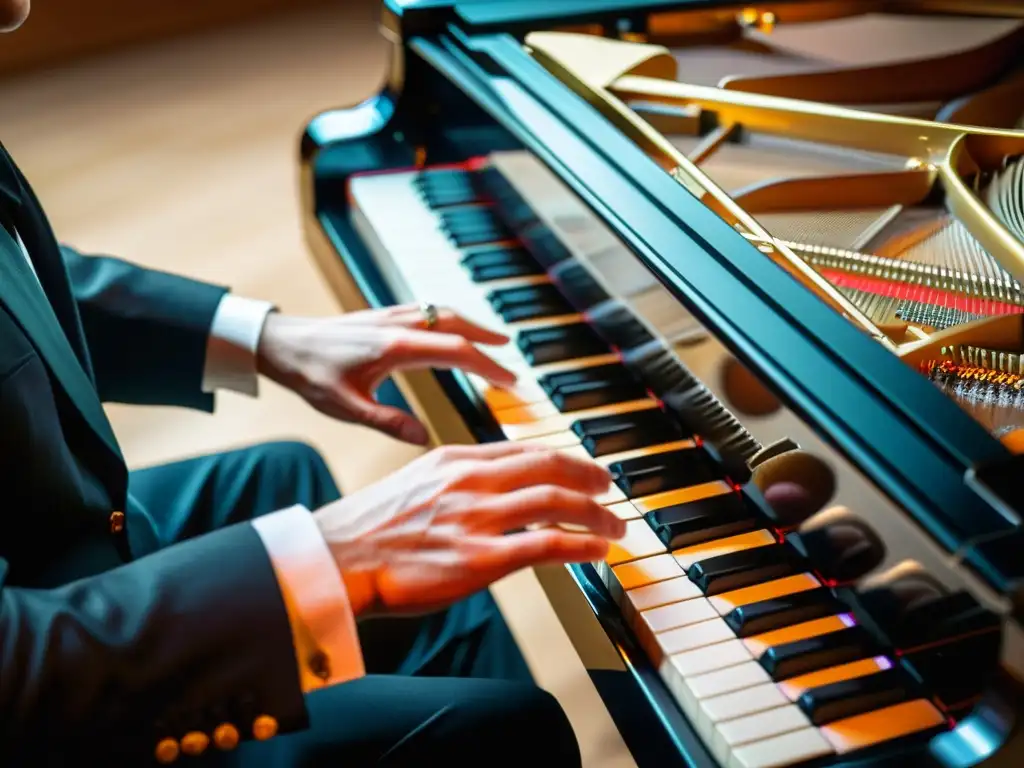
765,263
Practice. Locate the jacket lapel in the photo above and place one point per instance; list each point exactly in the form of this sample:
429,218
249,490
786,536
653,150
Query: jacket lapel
21,293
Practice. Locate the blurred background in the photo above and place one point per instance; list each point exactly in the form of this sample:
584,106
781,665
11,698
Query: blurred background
167,133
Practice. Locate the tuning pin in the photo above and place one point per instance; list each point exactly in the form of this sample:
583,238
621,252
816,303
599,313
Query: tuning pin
796,484
841,545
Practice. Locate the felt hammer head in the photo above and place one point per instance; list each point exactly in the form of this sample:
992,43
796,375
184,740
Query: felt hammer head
600,61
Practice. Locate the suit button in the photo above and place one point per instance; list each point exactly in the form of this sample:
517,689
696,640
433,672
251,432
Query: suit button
166,751
225,736
194,743
264,727
320,666
116,522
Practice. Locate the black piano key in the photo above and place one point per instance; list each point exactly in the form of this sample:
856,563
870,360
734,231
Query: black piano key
592,394
551,382
560,342
617,323
957,672
626,432
948,617
447,188
524,294
843,551
659,472
857,696
524,312
468,216
579,284
471,226
528,303
744,569
478,237
769,615
684,525
810,655
499,264
545,246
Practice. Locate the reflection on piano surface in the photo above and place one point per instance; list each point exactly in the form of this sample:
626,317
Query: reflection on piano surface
877,158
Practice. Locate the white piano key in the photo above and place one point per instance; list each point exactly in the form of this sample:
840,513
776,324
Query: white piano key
651,596
559,440
655,501
640,573
690,690
640,541
525,391
728,680
519,426
724,546
707,645
733,734
624,510
678,614
690,638
729,706
704,660
782,751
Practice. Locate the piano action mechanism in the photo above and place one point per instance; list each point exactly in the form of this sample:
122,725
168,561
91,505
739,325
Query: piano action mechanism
765,263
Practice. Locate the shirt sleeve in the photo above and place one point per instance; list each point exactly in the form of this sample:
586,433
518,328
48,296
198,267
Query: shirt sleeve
323,626
231,348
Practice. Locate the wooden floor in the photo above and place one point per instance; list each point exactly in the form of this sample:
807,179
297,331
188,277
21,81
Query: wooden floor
183,156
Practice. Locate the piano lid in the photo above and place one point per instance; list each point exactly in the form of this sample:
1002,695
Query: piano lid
886,176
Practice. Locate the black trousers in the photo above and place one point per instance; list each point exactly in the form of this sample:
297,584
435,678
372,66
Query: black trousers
446,689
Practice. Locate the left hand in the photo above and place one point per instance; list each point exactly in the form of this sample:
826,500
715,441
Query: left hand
336,363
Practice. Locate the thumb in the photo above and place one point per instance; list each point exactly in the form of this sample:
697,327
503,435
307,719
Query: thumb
385,418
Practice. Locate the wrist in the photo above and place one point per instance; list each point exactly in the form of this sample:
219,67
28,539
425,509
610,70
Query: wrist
355,566
362,591
269,357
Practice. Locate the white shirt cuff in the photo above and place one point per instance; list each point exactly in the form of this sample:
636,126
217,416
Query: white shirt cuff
316,596
231,348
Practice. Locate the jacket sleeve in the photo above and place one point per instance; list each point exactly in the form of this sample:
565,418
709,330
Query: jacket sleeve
183,641
146,330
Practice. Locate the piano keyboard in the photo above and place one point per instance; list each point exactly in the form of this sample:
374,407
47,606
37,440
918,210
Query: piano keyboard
761,653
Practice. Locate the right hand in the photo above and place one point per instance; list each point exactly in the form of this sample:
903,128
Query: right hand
438,530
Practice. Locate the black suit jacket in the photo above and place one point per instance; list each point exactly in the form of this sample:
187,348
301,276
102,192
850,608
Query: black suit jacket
100,654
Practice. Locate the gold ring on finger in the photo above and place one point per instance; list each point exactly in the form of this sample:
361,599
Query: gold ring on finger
429,312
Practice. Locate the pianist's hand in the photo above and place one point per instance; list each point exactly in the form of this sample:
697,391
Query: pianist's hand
435,531
337,363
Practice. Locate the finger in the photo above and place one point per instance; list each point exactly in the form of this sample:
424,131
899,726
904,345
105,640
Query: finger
450,321
547,546
484,451
391,421
547,505
424,349
543,467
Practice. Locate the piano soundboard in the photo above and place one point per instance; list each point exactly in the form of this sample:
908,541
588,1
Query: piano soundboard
822,543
